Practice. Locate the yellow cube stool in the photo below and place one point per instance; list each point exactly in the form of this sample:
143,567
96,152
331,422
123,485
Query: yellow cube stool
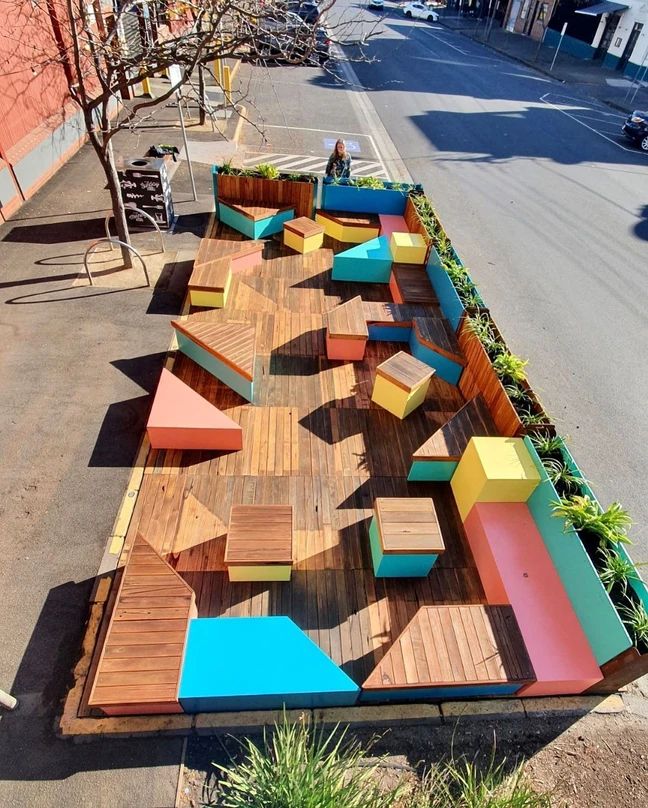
408,248
209,283
259,543
303,235
401,384
493,470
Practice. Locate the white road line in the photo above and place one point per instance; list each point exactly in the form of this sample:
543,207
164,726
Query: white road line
591,128
447,44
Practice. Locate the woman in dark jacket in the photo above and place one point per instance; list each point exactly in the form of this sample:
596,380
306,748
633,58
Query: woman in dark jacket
339,163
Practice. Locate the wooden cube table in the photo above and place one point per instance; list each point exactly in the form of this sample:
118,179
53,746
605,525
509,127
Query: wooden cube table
303,235
405,537
401,384
259,543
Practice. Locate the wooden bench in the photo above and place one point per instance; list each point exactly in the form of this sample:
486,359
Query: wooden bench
260,543
254,219
405,537
401,384
437,459
434,342
409,284
390,322
515,568
453,652
351,228
303,235
346,331
140,664
214,266
182,419
226,350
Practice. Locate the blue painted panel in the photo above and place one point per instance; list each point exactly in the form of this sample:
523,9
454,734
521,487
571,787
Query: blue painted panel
244,387
397,566
369,262
433,471
570,44
388,333
448,370
214,173
599,620
273,224
451,305
438,693
234,220
259,663
338,196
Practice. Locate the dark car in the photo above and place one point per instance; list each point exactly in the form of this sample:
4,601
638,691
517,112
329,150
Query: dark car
636,129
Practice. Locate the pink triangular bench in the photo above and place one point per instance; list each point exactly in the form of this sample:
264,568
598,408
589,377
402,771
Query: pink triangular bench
182,419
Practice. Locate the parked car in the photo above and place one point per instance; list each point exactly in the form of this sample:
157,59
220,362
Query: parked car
379,5
636,129
307,10
420,11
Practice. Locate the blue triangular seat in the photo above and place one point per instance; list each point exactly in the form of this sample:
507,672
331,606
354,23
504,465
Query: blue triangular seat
258,663
369,262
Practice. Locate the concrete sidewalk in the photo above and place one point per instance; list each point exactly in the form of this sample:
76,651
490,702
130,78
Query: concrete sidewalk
608,86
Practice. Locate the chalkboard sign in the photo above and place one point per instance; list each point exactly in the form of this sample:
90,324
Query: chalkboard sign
145,184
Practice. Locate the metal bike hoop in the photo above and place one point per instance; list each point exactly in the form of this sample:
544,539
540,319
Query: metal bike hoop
111,242
144,213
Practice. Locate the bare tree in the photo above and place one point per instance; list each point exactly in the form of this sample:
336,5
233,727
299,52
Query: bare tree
86,41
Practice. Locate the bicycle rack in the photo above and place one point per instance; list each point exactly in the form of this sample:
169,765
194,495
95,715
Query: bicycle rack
121,244
144,213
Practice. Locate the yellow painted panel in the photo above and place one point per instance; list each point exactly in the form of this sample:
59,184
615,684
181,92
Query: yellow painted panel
408,248
273,572
395,399
493,470
416,397
358,235
313,243
293,241
331,228
212,300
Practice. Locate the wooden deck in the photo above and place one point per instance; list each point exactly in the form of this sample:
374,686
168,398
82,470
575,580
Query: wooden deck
314,440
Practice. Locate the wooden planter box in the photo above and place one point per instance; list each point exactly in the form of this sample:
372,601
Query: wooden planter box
278,193
344,195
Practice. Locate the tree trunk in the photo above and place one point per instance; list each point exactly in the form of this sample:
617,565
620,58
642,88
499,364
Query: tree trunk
201,95
119,211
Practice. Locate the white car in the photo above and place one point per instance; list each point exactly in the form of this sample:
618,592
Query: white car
419,11
377,4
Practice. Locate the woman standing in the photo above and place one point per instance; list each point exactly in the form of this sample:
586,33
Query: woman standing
339,163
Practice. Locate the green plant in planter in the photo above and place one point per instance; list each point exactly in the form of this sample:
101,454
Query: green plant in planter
227,168
267,171
369,182
609,526
531,419
615,570
635,617
509,366
480,325
562,477
546,445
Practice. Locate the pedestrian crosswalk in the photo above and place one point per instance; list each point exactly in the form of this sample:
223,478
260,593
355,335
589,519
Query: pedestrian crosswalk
313,164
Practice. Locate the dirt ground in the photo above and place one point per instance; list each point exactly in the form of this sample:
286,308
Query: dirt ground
597,761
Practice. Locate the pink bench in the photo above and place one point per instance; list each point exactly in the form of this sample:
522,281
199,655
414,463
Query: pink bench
515,567
389,223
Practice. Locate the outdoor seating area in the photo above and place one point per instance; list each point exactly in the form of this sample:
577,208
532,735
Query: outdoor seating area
329,481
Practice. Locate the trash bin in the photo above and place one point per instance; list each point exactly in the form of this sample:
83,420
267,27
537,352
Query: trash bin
145,184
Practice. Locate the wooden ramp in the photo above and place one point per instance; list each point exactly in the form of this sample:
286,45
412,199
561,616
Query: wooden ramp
140,664
458,651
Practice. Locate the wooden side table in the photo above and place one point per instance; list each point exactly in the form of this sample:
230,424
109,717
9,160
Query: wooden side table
405,537
401,384
260,543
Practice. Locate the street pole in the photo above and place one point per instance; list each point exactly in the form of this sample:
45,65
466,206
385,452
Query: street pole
7,701
489,27
643,62
186,146
560,41
540,44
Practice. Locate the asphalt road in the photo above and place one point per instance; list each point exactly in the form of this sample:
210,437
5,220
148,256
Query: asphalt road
546,204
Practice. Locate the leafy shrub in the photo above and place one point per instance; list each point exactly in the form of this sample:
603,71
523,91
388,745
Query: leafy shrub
608,526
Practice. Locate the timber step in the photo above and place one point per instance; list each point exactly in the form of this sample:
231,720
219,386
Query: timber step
347,320
410,284
255,211
436,334
231,343
140,664
450,440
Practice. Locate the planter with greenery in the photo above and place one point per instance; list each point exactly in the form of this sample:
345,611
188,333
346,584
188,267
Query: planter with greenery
367,195
265,184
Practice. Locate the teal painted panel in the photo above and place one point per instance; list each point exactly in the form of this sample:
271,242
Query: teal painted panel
432,471
448,370
449,300
388,333
234,220
397,566
344,196
438,693
599,620
273,224
369,262
219,369
258,663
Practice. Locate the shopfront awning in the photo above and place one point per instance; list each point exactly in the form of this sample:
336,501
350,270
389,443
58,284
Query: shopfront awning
602,8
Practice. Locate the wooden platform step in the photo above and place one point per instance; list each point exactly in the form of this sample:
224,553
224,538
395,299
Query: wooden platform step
437,459
410,284
347,320
254,220
351,228
140,664
256,211
217,260
453,651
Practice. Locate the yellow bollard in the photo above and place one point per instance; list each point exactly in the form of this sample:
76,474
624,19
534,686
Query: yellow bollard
227,83
218,71
146,88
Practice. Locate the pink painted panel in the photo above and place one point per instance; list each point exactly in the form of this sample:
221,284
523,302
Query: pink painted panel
395,291
348,349
559,651
392,224
246,261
